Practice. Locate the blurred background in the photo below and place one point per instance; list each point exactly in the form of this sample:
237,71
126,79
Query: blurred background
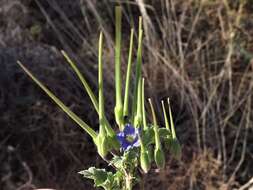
197,52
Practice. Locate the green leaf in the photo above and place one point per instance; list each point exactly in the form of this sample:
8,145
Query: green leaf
102,178
98,175
117,162
71,114
118,178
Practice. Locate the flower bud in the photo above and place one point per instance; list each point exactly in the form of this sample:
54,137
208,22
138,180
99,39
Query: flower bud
144,161
159,158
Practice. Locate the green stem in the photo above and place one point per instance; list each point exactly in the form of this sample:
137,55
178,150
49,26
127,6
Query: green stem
142,184
128,183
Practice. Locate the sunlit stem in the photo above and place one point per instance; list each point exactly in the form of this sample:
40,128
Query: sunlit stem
88,90
171,122
138,68
157,138
138,116
141,143
143,106
128,75
118,108
165,117
128,181
71,114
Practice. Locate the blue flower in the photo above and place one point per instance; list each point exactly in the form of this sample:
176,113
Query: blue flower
129,137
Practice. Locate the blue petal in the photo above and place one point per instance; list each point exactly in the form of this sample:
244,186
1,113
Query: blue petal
120,135
129,129
125,145
128,147
136,143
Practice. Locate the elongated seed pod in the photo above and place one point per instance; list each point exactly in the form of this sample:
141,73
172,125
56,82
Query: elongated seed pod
145,161
118,110
159,156
175,145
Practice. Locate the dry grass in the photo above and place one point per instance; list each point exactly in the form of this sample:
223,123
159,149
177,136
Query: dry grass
196,52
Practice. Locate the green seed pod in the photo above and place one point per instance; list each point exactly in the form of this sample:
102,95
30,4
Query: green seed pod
144,161
138,116
159,158
102,145
175,146
118,111
175,149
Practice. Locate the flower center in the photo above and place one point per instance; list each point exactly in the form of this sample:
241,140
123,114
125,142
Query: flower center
130,138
